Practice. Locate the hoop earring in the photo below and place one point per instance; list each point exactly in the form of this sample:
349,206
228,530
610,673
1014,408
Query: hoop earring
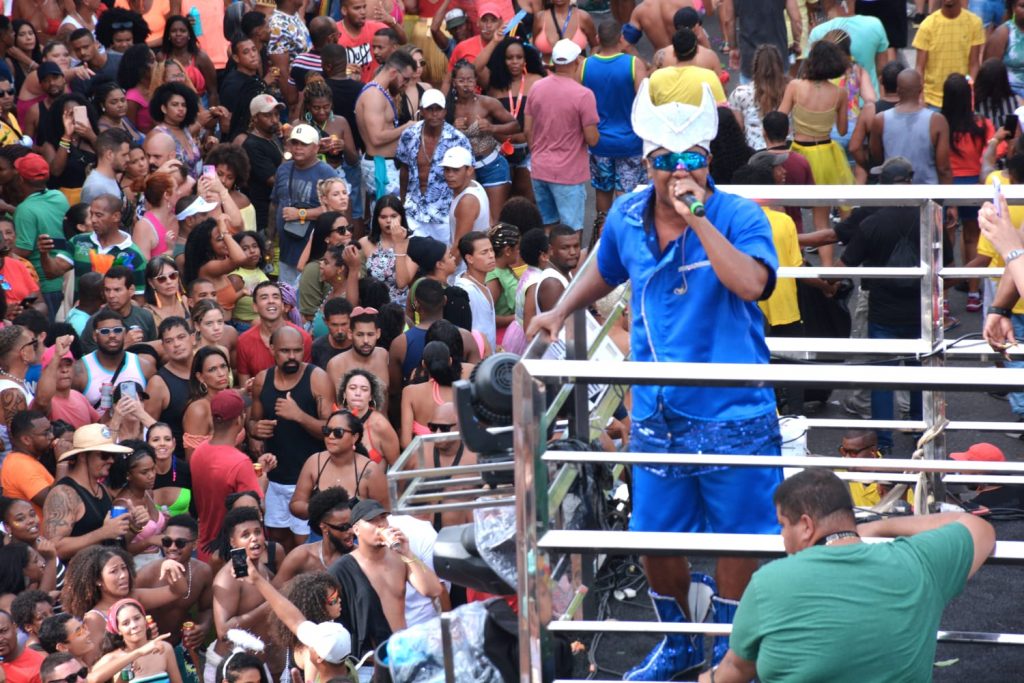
373,403
204,388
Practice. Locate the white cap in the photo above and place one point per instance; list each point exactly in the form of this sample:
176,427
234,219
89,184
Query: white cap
432,98
305,134
565,52
330,640
457,157
673,125
199,205
455,18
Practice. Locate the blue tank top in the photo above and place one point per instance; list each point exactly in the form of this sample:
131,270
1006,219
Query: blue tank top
415,340
611,80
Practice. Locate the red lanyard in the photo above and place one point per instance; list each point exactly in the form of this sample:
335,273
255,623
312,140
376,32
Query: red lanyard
514,109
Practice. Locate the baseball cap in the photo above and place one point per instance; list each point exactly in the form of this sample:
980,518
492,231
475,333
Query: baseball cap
198,205
93,437
49,69
32,167
329,640
489,8
365,509
226,406
894,170
457,157
305,134
455,18
687,16
980,452
565,52
768,159
50,352
432,98
426,251
263,104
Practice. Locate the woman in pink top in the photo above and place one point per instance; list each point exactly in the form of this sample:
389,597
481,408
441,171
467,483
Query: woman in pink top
135,75
561,19
157,230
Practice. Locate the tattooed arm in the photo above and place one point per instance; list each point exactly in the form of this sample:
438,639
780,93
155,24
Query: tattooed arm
61,510
12,402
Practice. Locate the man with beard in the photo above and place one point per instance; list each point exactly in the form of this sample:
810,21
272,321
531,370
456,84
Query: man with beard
52,83
364,353
355,34
329,512
377,119
76,514
178,543
112,148
159,149
291,402
564,257
20,662
243,83
338,338
23,474
109,363
19,350
263,146
225,469
252,353
168,388
118,288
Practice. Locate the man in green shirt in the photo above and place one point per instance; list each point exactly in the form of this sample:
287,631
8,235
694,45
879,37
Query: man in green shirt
40,213
801,617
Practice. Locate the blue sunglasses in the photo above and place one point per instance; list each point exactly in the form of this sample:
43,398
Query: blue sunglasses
677,161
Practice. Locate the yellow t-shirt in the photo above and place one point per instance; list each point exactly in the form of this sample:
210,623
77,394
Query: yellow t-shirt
682,84
949,43
782,307
985,247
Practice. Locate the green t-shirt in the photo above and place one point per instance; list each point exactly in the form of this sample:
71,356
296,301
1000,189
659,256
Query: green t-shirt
853,613
85,253
40,213
506,303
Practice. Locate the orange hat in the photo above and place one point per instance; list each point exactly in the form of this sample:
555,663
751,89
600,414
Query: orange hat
981,452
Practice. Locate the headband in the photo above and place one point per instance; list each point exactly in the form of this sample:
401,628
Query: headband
116,607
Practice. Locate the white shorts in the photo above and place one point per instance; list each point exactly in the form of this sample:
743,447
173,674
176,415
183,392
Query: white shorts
278,516
442,232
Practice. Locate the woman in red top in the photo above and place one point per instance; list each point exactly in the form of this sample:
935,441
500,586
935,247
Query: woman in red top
968,133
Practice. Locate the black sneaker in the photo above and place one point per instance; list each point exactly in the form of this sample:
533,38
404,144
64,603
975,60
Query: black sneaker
917,19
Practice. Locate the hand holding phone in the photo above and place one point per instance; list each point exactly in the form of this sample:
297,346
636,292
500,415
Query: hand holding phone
239,562
1010,124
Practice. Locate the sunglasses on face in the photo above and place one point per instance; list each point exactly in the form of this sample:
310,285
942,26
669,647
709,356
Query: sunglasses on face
339,527
110,330
342,230
336,432
9,93
73,678
436,427
178,543
105,456
122,25
172,277
679,161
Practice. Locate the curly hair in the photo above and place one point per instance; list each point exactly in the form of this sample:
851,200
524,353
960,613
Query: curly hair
115,15
199,249
376,386
232,156
501,78
316,89
232,519
84,575
825,61
9,338
328,500
23,608
134,64
193,42
163,94
308,592
522,213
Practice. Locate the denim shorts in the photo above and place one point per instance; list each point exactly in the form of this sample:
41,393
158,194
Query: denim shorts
990,11
495,173
560,203
610,174
520,157
699,499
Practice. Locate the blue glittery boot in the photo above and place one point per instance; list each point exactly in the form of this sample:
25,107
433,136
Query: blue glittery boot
676,653
725,610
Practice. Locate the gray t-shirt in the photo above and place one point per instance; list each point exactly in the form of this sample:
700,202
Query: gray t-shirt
138,317
97,184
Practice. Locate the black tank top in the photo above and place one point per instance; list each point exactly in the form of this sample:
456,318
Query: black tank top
174,413
883,105
96,509
291,443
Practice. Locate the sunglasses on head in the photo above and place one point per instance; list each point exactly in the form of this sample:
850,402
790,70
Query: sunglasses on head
679,161
440,427
122,25
110,330
178,543
172,276
336,432
73,678
339,527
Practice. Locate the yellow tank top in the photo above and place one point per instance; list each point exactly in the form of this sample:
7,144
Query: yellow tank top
813,124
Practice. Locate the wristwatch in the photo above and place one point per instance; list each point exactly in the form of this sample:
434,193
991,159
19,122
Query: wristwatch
1013,254
999,310
302,216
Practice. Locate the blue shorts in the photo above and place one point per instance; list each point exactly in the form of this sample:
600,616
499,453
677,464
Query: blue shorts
990,11
622,174
495,173
354,176
729,500
560,203
967,213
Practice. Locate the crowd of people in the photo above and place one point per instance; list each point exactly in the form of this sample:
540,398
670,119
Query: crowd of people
246,251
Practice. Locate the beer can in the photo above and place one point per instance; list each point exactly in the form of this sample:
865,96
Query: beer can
257,467
106,396
390,538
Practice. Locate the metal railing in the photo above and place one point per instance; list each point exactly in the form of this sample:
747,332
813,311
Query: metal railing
539,542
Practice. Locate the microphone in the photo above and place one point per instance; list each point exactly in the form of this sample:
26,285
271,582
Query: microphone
695,205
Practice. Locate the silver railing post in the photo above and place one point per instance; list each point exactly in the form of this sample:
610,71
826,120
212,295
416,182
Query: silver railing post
932,329
533,569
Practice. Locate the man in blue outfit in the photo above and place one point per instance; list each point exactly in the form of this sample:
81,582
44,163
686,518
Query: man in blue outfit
700,277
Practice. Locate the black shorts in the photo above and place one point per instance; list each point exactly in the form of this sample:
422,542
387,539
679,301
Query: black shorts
892,14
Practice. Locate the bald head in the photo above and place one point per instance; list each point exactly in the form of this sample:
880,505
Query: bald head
909,85
159,148
445,414
285,335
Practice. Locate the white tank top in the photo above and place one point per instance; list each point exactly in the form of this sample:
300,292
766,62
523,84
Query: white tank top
96,374
483,219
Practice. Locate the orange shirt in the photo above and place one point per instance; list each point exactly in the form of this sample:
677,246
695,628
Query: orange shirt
17,281
358,49
22,476
156,17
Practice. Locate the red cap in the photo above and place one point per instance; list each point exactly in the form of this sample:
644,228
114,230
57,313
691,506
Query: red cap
32,167
981,452
227,406
489,8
